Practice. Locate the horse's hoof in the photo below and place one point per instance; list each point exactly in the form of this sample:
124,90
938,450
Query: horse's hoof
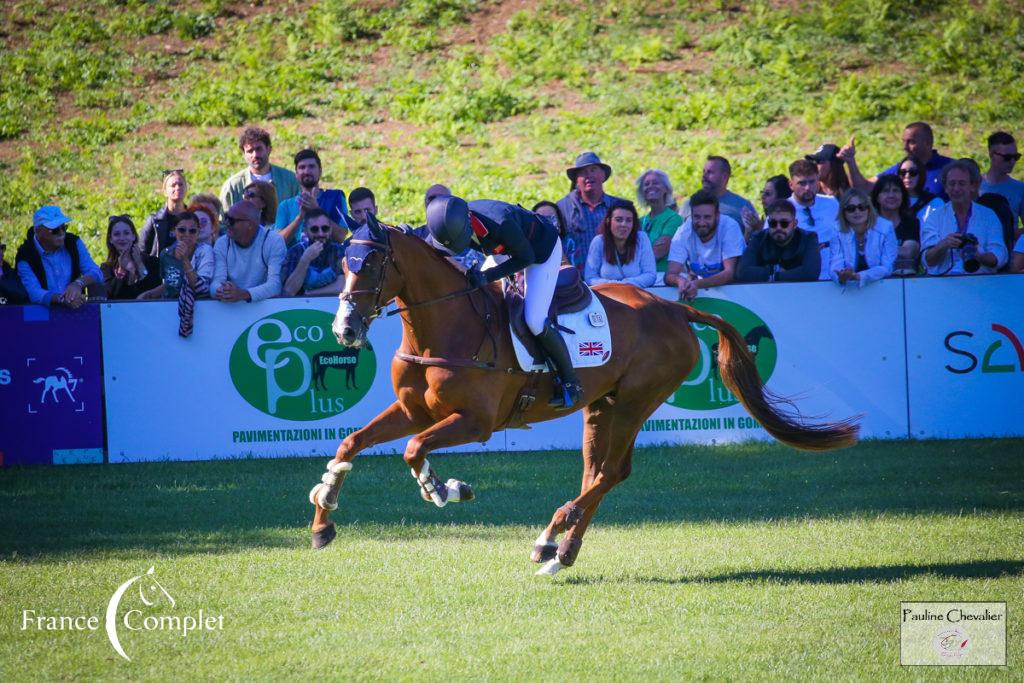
459,491
542,552
550,568
324,536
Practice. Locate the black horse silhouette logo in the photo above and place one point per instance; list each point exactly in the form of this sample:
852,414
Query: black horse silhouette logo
345,359
753,339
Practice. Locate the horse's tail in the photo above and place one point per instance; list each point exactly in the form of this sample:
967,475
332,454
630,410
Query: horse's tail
739,372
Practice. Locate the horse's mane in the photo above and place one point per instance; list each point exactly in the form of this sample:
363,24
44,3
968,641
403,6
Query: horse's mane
423,246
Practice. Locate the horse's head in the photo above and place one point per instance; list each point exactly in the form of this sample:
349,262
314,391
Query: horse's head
371,280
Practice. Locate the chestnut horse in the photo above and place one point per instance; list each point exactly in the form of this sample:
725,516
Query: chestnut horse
457,379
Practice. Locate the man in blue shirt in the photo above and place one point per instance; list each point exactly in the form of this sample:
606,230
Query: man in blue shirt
918,142
291,213
1003,156
54,265
585,206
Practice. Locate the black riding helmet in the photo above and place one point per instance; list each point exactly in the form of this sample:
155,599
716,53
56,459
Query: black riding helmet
448,223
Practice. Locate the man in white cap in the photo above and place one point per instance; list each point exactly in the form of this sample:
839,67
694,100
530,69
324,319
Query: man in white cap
54,266
585,206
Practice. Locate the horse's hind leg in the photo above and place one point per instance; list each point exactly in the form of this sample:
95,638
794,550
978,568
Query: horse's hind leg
393,423
596,433
615,434
454,430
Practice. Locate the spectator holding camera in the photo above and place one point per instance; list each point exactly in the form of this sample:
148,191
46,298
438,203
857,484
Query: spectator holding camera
783,252
706,248
864,247
775,188
963,236
126,272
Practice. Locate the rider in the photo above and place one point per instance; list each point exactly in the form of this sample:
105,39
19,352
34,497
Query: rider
532,245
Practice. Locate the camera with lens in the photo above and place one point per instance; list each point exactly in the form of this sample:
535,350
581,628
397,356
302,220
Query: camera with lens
969,252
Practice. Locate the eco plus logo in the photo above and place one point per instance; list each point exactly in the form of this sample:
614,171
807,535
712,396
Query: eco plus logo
994,358
703,388
288,365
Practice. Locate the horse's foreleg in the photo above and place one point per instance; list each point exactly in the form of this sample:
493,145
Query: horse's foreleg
393,423
454,430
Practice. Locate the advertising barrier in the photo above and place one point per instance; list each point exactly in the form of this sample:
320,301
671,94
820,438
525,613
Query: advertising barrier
918,358
836,353
253,380
51,400
965,350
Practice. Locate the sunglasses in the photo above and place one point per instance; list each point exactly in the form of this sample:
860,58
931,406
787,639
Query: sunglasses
1009,157
779,223
170,171
187,231
318,229
912,172
850,208
54,231
237,221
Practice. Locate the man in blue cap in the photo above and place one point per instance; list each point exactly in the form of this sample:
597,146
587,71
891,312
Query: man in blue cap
532,245
586,204
54,265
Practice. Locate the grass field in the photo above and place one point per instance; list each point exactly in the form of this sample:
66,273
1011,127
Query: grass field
747,562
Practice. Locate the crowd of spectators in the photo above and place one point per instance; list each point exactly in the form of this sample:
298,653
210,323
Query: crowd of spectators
275,232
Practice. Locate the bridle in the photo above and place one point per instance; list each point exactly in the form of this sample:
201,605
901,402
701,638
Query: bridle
389,259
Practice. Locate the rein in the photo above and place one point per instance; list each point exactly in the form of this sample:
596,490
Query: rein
385,246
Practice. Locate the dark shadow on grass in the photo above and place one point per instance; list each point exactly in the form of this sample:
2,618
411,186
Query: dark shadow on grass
225,506
983,569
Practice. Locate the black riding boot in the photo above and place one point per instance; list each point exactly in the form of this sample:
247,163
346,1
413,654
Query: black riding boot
567,388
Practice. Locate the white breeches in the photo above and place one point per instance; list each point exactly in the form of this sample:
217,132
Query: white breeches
541,279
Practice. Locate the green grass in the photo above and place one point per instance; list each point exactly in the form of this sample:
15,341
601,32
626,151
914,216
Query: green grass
747,562
398,96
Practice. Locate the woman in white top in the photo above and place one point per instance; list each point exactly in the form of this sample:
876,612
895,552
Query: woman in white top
621,252
864,248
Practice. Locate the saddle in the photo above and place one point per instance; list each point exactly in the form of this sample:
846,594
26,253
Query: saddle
571,296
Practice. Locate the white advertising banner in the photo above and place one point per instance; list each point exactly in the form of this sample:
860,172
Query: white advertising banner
836,353
965,349
262,380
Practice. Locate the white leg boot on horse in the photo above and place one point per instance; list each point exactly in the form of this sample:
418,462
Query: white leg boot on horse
453,430
391,424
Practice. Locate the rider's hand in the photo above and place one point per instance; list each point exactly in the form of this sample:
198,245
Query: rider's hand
475,277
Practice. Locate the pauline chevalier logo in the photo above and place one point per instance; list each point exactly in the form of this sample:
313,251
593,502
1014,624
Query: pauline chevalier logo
148,614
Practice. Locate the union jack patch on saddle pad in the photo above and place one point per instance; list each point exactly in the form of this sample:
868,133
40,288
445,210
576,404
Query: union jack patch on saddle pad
589,339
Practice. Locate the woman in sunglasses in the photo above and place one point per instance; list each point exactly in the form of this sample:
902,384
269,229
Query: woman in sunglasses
127,273
264,196
913,176
187,260
864,248
156,232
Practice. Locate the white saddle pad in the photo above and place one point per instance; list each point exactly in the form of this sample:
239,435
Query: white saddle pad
590,343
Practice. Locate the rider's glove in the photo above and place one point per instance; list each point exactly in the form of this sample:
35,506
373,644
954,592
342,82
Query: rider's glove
475,277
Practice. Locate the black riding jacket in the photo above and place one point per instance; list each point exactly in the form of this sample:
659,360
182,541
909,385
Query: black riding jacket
501,228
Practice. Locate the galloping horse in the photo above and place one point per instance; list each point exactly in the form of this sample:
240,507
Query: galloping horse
457,379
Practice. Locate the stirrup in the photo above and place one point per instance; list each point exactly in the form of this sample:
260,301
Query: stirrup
567,395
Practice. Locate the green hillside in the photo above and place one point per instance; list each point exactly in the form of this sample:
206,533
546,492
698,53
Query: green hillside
494,99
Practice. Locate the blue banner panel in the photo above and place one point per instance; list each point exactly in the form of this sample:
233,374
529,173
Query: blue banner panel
51,388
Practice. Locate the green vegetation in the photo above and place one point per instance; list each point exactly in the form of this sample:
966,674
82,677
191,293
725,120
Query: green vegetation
493,100
749,562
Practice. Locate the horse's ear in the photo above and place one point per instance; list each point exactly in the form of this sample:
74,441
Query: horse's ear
374,225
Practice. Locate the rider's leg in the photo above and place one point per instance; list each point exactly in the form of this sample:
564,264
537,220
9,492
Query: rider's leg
541,279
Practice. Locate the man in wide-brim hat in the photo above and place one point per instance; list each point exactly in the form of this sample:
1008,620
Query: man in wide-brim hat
586,204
